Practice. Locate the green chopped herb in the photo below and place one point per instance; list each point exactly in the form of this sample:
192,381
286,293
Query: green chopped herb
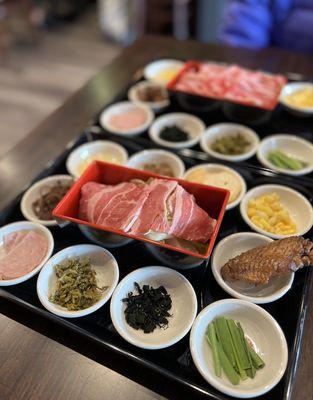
76,287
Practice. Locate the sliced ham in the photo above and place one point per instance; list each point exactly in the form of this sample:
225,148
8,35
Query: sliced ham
24,251
159,206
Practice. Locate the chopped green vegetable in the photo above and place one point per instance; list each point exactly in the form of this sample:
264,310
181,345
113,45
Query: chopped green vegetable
212,339
230,372
76,287
284,161
232,352
231,144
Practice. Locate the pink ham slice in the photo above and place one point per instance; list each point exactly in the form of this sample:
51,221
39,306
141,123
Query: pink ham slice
160,206
24,256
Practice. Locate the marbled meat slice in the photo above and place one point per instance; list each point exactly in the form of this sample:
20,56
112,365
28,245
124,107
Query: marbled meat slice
25,256
154,213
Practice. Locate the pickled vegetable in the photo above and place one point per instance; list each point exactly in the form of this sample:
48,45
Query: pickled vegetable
231,144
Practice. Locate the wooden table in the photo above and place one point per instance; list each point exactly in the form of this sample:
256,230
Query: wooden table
33,366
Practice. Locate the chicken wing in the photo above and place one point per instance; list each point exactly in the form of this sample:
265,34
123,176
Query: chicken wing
260,264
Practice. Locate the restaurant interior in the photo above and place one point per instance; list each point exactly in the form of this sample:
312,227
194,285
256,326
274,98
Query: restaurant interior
156,199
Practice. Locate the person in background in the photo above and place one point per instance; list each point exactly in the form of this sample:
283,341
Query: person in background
263,23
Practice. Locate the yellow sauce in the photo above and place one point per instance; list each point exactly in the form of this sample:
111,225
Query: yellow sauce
301,98
166,75
219,178
107,157
267,213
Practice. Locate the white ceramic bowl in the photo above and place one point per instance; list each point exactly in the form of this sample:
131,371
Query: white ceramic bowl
154,68
133,95
234,245
184,307
217,131
299,208
26,225
189,123
261,328
156,156
293,146
220,167
291,88
102,262
34,192
78,155
123,107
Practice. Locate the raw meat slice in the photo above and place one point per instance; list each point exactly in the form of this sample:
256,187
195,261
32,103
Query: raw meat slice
26,255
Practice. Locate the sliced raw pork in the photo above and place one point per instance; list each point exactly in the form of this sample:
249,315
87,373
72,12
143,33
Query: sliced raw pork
157,207
23,252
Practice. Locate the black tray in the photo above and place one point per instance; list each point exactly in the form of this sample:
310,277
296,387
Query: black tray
174,363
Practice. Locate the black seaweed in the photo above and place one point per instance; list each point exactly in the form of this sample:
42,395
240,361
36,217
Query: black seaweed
148,309
174,134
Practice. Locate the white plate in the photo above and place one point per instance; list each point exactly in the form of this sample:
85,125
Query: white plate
26,225
234,245
189,123
156,106
123,107
157,156
264,332
229,129
151,70
34,192
299,208
291,88
184,307
220,167
102,262
78,155
293,146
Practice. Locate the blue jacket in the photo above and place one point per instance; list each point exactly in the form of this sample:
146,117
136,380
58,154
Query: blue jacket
262,23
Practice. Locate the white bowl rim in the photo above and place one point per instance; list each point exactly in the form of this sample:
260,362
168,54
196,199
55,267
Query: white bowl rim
240,157
50,239
164,152
293,138
86,311
162,63
136,342
75,152
129,132
272,187
236,392
34,186
155,105
242,181
256,300
294,86
155,137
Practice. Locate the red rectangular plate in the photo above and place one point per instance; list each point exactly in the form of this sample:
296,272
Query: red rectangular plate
211,199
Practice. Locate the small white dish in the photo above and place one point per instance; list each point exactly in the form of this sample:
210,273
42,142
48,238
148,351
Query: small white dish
134,95
102,261
219,167
187,122
184,307
218,131
83,152
293,146
157,156
299,208
124,107
291,88
104,239
153,70
264,332
26,225
34,192
239,243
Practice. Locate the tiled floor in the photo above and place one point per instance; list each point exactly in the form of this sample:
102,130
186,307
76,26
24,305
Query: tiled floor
34,80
